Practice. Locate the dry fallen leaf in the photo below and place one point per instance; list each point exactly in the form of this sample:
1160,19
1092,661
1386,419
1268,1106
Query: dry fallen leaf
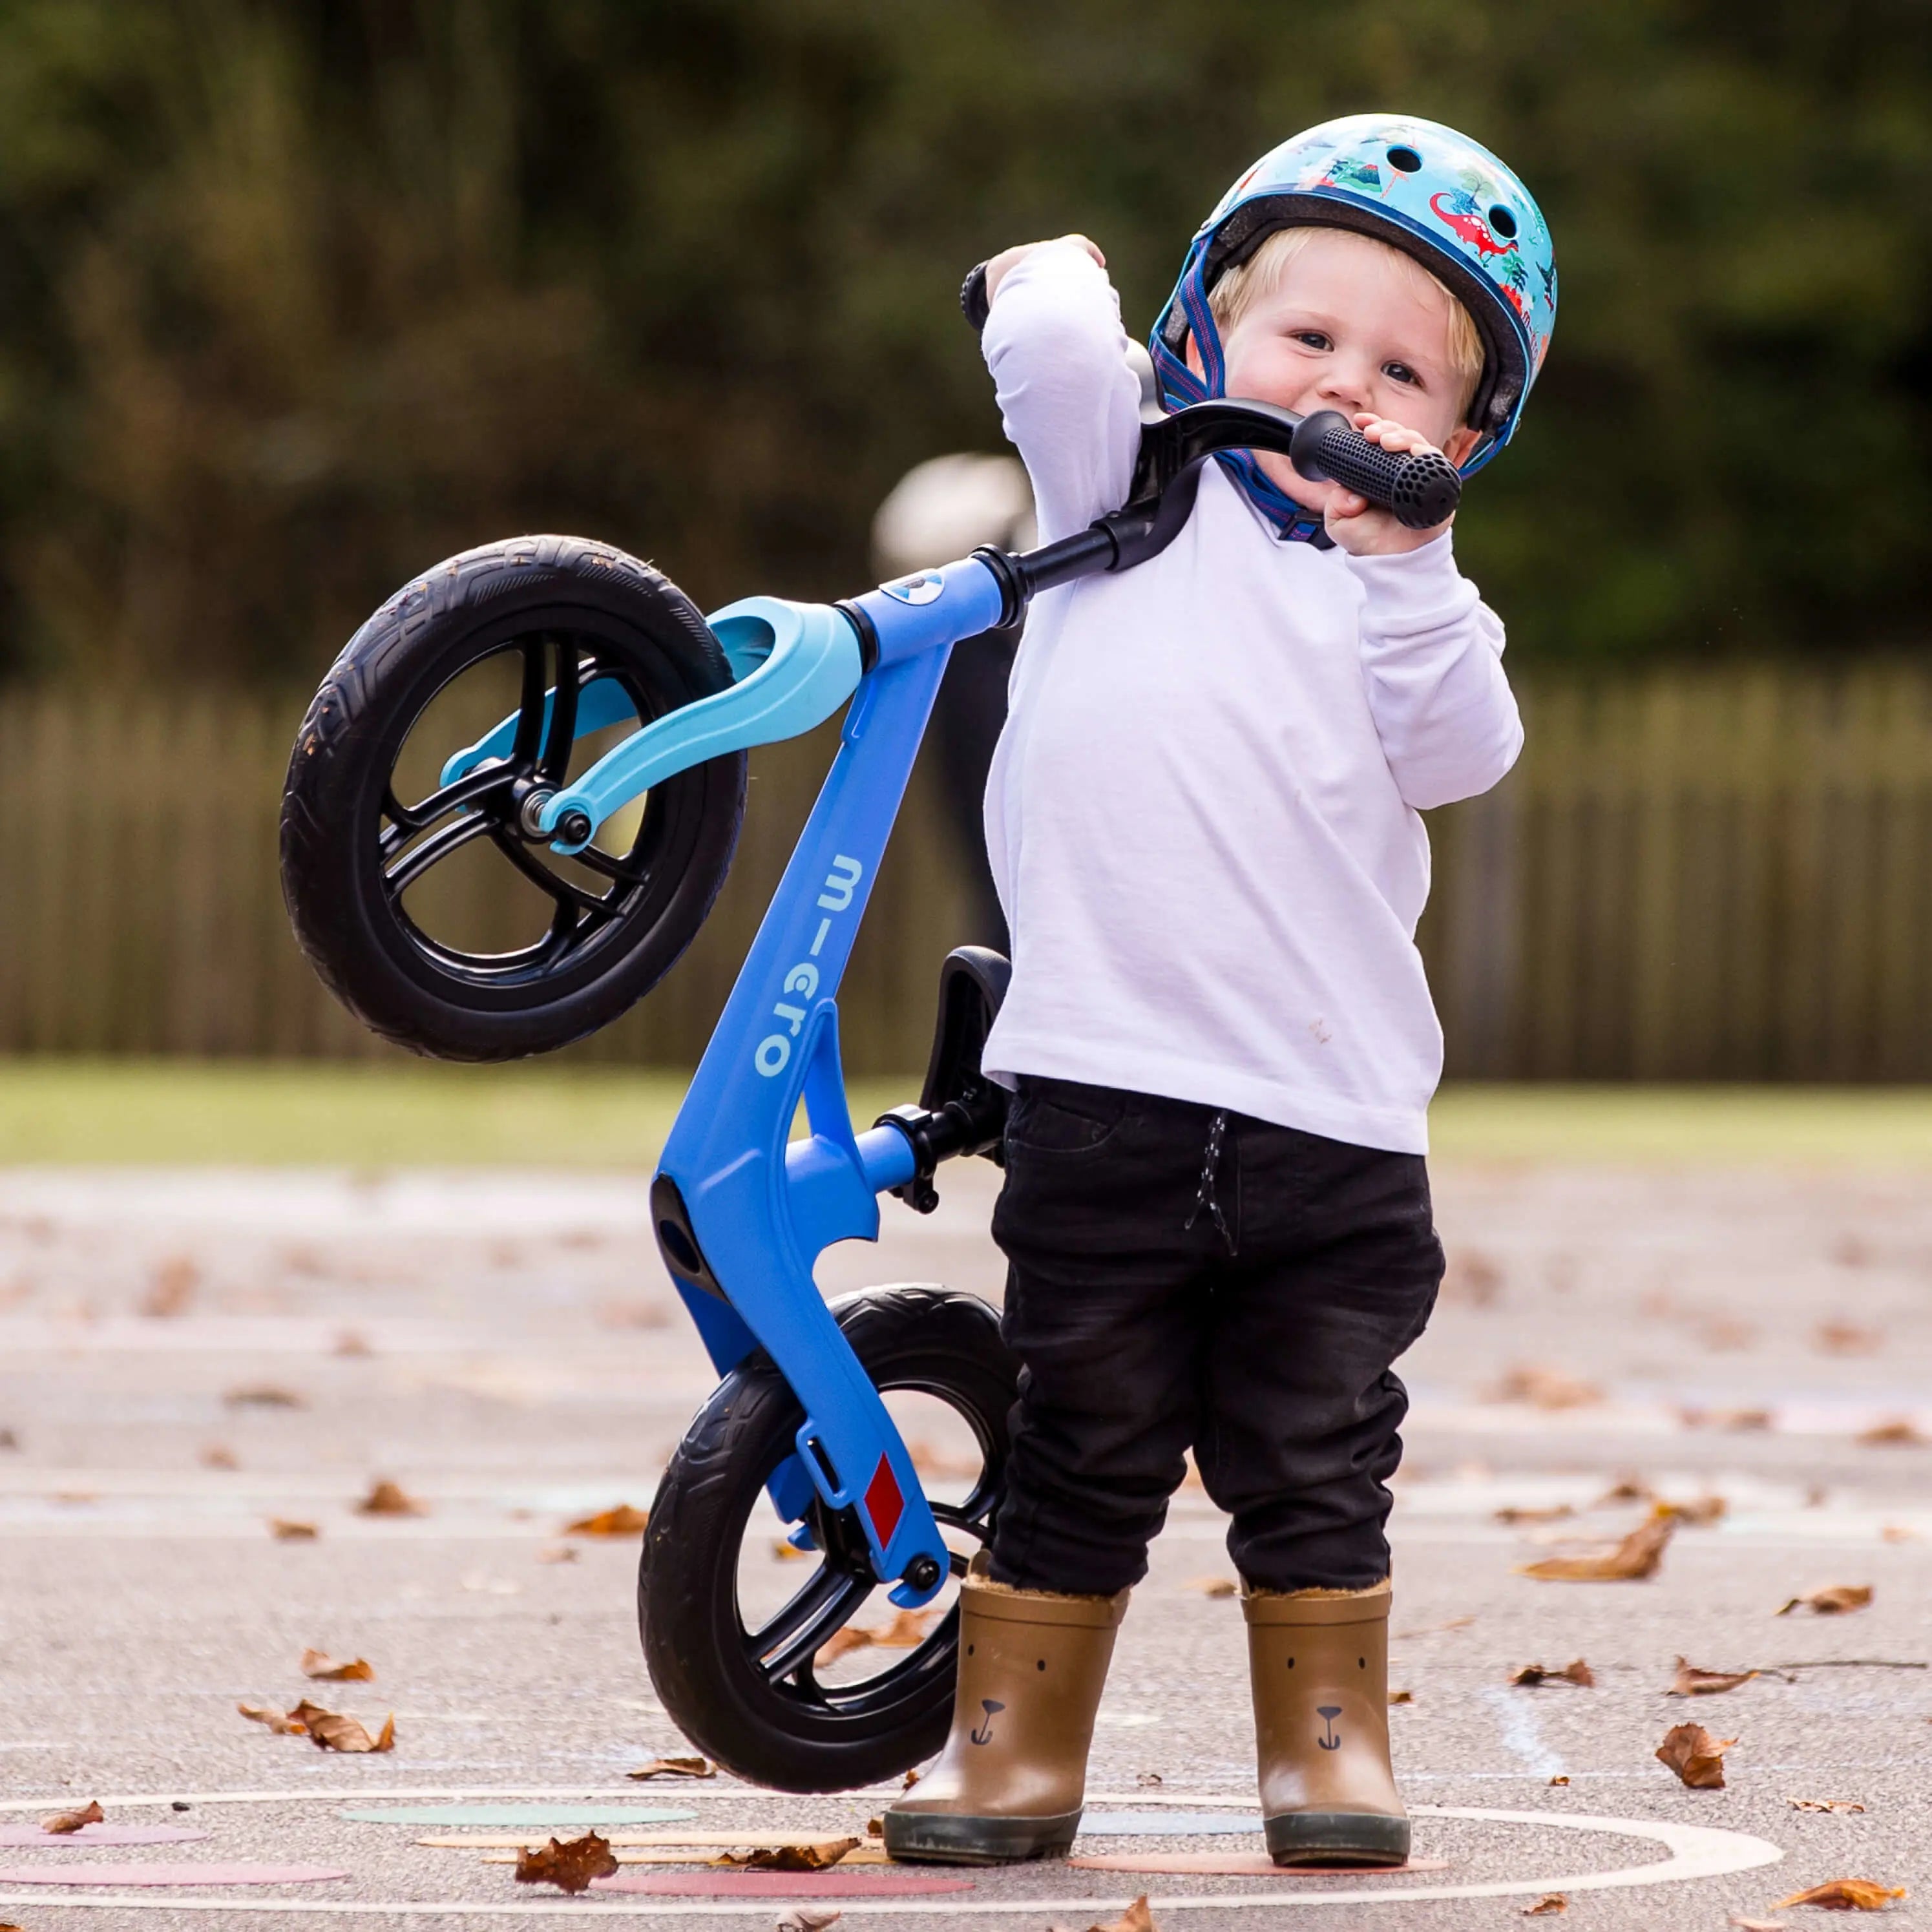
331,1731
1897,1532
808,1918
842,1643
219,1456
318,1665
907,1631
282,1726
1471,1277
675,1767
1633,1560
1212,1586
813,1856
171,1288
1516,1513
1701,1511
1550,1902
1845,1894
352,1342
1745,1924
1822,1804
1836,1601
286,1529
1394,1697
622,1521
1691,1681
64,1823
1846,1338
388,1498
570,1867
1136,1918
789,1552
1542,1386
1697,1757
1737,1421
1626,1489
1147,1779
1898,1432
907,1783
1575,1672
264,1395
1562,1778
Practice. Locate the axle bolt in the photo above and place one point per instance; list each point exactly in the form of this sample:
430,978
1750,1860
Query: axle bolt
573,828
922,1572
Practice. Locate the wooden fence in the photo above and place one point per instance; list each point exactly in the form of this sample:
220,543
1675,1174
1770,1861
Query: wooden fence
1719,876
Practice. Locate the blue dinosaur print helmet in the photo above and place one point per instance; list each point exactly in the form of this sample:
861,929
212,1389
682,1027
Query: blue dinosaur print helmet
1422,188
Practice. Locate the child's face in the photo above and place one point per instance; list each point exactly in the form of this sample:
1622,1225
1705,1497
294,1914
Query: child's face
1350,328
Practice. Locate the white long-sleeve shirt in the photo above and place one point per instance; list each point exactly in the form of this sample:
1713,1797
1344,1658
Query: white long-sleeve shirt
1202,813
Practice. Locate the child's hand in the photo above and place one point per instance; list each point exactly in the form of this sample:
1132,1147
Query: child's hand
996,269
1357,526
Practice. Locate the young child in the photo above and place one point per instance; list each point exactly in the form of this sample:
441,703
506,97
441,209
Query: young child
1202,818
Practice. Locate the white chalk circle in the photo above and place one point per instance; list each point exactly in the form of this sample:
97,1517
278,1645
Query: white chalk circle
1694,1851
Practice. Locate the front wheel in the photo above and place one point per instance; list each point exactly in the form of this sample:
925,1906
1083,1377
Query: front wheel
423,894
756,1657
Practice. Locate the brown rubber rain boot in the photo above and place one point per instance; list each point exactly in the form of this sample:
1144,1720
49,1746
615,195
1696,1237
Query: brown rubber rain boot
1318,1662
1011,1781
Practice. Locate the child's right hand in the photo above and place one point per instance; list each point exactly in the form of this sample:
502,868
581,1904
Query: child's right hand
996,269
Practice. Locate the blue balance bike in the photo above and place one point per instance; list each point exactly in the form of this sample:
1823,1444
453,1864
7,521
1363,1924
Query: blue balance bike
559,711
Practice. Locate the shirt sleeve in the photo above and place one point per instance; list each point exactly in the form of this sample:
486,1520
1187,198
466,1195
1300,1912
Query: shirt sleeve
1068,398
1432,658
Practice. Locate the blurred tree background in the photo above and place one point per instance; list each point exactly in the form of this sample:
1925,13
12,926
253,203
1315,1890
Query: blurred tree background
296,297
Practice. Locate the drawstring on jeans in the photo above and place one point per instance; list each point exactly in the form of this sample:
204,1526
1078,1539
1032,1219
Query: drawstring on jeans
1204,1195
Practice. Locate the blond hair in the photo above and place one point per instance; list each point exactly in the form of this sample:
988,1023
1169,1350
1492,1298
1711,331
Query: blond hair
1249,281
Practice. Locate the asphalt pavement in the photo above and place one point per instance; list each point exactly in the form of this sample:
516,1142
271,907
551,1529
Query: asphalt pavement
189,1358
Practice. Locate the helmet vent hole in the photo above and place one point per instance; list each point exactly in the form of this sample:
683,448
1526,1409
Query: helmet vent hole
1405,160
1502,222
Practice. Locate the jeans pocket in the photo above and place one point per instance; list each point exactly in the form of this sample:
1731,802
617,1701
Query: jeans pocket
1064,1116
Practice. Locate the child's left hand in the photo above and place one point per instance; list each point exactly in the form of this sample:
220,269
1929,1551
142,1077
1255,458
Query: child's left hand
1355,525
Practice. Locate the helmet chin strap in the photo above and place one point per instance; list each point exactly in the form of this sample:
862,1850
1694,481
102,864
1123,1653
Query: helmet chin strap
1292,522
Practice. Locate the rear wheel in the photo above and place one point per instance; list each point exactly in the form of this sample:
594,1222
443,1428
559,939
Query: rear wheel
748,1649
433,909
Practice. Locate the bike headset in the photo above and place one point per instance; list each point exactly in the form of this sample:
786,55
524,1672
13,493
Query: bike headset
1436,195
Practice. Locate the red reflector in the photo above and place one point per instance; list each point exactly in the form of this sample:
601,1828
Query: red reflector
884,1503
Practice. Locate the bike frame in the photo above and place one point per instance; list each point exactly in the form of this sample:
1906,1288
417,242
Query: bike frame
743,1211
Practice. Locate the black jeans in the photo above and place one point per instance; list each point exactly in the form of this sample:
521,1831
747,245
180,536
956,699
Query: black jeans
1243,1293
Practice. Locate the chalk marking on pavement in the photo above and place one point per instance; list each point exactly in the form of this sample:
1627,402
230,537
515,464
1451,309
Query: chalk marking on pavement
1696,1851
1522,1738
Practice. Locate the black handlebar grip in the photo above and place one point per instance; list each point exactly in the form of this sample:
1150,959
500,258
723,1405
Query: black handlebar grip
1420,491
973,297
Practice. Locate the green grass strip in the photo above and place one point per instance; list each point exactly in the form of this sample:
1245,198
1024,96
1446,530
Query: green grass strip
383,1115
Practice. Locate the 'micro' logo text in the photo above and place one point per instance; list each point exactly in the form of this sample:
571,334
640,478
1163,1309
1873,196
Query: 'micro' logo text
774,1053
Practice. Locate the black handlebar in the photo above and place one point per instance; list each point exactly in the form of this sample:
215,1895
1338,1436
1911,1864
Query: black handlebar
1419,490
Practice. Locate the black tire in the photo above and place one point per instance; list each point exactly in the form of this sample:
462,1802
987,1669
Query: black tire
565,605
784,1728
